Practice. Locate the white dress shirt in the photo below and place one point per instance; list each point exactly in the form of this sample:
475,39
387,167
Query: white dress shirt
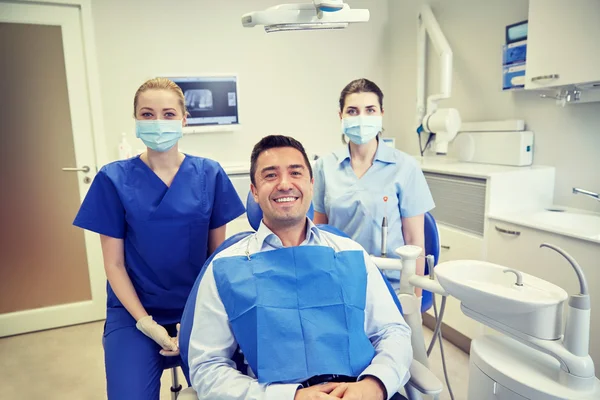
212,372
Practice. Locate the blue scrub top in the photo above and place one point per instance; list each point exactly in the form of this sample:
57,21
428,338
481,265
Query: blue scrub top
357,206
165,229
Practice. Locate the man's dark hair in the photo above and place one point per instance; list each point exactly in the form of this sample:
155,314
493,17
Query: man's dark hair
271,142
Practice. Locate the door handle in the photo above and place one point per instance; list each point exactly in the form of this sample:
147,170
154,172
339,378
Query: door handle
502,230
85,169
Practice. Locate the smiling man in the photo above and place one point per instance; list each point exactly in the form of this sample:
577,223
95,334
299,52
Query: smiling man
308,309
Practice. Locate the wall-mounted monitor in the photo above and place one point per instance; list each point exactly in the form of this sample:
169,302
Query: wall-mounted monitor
517,32
212,102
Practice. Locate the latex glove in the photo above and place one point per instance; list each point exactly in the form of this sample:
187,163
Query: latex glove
154,331
170,353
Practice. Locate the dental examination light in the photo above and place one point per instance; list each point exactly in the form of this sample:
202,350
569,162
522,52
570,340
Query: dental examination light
320,14
444,123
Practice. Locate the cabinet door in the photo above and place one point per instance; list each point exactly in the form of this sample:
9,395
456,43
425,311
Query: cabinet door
518,247
459,245
482,387
523,252
562,43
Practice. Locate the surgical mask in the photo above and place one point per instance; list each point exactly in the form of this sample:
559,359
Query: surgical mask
159,134
362,129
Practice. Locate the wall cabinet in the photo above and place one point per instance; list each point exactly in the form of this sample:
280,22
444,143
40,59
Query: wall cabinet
562,44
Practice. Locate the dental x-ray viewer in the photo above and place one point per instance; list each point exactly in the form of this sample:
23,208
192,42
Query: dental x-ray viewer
159,215
309,309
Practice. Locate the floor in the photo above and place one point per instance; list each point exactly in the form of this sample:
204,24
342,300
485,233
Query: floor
67,363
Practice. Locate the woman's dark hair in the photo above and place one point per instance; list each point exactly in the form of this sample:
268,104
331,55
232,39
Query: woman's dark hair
360,86
274,141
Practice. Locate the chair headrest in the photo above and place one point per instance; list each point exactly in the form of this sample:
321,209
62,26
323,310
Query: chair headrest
255,214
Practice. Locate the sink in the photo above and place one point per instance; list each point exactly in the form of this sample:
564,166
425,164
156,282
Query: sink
485,286
491,296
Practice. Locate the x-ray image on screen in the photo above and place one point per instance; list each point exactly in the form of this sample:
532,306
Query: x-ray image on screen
198,100
210,100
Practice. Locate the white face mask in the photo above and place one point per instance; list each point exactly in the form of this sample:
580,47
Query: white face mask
361,129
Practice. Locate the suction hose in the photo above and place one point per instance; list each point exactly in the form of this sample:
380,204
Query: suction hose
582,281
437,332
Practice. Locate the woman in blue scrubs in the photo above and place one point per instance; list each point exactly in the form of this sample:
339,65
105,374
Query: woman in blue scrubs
366,180
159,216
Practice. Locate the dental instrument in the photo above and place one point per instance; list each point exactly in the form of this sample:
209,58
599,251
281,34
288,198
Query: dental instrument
320,14
384,228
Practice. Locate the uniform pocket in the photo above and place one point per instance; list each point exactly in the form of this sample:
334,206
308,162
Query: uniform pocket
198,242
379,204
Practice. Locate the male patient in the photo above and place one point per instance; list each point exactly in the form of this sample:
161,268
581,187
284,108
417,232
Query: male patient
308,309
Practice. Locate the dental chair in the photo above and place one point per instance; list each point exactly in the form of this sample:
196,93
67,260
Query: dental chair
422,381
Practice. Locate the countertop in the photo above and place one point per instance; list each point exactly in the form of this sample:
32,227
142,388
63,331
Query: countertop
236,168
575,223
443,165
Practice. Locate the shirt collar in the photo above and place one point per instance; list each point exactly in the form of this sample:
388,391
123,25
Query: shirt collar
384,153
264,235
342,154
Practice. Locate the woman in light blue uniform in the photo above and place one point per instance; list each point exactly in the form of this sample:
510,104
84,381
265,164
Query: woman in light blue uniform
366,180
159,216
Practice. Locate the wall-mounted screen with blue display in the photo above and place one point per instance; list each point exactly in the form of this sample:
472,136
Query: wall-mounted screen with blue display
516,32
210,100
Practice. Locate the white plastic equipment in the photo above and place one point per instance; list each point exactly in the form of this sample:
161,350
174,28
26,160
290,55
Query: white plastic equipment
320,14
501,148
444,122
534,358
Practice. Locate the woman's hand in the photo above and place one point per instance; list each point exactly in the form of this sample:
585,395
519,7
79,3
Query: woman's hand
170,353
156,332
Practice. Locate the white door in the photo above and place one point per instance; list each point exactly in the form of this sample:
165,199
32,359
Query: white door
51,273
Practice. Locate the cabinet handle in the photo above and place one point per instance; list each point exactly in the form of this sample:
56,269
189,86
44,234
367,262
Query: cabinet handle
544,77
445,247
502,230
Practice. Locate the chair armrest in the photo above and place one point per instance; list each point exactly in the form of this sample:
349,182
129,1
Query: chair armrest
187,394
423,380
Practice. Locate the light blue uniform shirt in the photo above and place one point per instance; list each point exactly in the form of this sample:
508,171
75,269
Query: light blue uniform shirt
212,344
357,206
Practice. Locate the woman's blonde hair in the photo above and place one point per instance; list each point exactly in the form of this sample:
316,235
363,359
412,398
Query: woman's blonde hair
160,84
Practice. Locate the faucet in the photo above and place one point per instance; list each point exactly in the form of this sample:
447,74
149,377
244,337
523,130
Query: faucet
587,193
